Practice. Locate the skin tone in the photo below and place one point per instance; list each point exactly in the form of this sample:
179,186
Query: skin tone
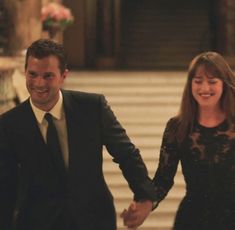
207,91
136,213
44,80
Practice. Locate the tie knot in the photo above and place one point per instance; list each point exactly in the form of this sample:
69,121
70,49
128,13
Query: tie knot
48,117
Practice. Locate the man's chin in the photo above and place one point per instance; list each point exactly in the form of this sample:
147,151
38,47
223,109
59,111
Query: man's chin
39,102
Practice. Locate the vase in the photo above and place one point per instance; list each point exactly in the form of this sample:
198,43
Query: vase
53,31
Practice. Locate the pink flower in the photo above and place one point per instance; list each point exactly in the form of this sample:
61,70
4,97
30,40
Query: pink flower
56,13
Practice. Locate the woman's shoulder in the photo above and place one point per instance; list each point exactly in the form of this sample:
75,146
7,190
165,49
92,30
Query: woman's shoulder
170,132
171,126
173,122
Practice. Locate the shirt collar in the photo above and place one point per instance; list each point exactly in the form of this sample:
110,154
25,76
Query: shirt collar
56,111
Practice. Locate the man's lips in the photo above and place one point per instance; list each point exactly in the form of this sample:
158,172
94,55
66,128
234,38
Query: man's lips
40,92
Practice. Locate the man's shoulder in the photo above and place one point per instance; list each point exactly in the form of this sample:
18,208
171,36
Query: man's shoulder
76,93
17,110
17,116
80,96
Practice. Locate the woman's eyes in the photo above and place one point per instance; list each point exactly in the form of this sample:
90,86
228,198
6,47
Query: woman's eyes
197,81
210,81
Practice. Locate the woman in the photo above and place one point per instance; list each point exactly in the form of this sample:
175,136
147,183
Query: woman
202,138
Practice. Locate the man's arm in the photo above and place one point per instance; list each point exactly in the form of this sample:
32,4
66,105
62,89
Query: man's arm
126,155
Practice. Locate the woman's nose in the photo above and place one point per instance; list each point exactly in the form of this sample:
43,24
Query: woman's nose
205,86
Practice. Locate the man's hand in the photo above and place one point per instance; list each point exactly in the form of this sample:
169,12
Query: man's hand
136,213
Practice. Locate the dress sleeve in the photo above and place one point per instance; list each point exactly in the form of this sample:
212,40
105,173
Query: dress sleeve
168,162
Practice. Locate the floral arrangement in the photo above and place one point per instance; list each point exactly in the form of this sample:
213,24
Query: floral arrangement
56,15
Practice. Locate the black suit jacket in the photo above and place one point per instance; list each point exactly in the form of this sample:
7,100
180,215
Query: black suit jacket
49,198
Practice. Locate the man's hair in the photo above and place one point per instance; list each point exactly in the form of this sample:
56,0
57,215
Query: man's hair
45,47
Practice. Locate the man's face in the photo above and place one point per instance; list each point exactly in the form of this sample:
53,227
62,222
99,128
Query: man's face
44,80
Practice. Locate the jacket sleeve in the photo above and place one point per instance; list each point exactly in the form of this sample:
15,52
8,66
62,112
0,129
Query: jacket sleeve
125,153
8,182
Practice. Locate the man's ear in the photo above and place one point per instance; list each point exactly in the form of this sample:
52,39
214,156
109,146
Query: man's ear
65,74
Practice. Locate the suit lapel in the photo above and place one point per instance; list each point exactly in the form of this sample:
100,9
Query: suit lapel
76,127
30,128
31,133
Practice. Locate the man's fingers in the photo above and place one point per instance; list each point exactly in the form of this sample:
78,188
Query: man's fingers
131,216
132,207
131,224
131,220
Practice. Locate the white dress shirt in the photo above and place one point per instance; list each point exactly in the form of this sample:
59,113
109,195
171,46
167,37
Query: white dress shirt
58,115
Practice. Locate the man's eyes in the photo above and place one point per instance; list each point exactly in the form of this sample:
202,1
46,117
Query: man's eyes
45,76
48,75
32,74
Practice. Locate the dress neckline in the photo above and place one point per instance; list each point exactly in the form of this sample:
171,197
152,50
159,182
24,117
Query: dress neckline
221,124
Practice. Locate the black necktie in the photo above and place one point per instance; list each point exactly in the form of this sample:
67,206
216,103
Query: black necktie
53,143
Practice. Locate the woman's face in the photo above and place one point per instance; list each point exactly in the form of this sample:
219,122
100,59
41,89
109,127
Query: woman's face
206,89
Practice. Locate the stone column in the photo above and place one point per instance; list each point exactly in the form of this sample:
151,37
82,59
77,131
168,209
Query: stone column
230,49
221,25
106,27
108,32
25,23
25,26
90,31
226,29
117,30
7,90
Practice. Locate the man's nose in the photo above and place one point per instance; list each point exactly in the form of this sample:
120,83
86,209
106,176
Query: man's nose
40,81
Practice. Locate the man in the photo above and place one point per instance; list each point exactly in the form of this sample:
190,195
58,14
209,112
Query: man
51,153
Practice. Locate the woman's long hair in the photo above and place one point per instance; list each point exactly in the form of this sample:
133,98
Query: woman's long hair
215,65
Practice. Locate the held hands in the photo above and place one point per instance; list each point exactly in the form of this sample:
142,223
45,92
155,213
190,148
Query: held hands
136,213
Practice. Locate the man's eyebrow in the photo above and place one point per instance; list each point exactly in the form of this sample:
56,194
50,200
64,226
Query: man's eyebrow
50,73
31,71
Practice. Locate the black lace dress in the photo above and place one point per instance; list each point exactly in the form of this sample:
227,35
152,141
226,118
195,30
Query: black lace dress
208,164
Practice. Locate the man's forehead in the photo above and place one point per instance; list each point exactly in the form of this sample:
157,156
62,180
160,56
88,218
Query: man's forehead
49,60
